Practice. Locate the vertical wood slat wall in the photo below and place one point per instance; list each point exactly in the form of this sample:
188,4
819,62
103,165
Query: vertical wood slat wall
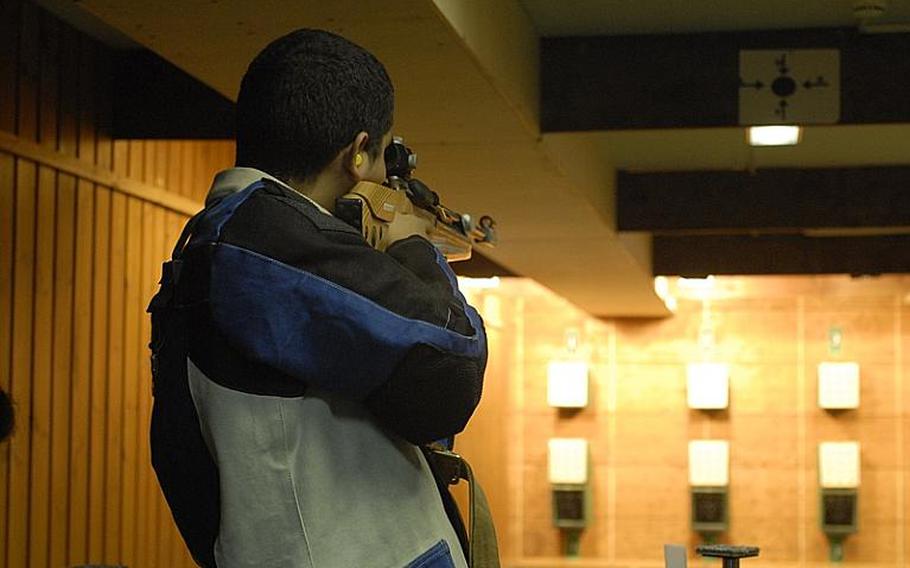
772,332
79,260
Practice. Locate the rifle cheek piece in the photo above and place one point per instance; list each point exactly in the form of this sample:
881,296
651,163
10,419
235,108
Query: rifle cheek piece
371,208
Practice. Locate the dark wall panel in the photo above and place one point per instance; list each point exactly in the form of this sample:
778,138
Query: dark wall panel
679,81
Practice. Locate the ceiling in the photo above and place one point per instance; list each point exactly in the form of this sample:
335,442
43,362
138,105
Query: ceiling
620,17
467,99
726,148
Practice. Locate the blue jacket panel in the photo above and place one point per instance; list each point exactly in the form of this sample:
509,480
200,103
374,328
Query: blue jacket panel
298,291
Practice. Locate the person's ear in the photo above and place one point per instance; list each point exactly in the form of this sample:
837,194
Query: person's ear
357,160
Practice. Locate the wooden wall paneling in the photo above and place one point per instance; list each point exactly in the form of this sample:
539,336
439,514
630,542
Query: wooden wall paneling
20,374
230,151
215,162
85,92
121,157
130,380
173,180
83,89
483,442
206,161
88,48
68,114
82,414
188,167
203,167
9,55
49,87
197,183
76,484
148,149
7,199
208,158
136,160
651,487
806,519
157,252
198,165
903,443
164,165
149,161
97,489
160,170
43,327
168,538
146,527
62,368
29,73
116,307
224,159
74,166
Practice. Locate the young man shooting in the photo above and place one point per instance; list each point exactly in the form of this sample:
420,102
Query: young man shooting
297,369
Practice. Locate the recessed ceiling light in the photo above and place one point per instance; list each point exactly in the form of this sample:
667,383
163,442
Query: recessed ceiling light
774,135
705,284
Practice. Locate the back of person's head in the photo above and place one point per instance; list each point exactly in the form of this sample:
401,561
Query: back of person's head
6,416
304,98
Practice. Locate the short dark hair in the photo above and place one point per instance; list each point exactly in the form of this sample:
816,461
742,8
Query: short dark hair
304,98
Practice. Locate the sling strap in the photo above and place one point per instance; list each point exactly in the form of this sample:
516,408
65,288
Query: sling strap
450,468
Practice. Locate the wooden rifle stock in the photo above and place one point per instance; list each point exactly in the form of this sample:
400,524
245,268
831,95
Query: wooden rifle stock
372,208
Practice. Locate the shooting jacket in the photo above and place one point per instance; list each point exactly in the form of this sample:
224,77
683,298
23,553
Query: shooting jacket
295,370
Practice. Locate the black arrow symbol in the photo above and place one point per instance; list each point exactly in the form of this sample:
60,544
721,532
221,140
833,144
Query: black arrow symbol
782,109
820,82
781,63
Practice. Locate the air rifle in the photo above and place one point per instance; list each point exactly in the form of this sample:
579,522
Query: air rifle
372,208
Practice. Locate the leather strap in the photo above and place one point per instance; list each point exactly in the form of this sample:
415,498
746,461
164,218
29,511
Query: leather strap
449,468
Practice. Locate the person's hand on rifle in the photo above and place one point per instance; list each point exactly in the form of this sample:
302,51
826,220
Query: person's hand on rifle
405,225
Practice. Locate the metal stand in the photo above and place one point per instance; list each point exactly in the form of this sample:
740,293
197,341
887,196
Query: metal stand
572,542
836,549
729,555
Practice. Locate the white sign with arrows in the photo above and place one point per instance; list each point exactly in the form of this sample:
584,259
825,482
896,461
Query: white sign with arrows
798,86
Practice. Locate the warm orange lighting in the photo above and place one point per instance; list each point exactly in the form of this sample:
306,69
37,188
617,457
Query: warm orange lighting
662,289
466,283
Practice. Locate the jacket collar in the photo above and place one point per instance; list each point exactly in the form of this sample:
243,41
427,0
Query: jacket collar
233,180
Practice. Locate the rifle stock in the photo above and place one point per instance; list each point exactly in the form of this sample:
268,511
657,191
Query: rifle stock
372,208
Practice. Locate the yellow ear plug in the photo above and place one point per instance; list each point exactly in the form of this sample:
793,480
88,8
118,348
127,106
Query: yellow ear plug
358,160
